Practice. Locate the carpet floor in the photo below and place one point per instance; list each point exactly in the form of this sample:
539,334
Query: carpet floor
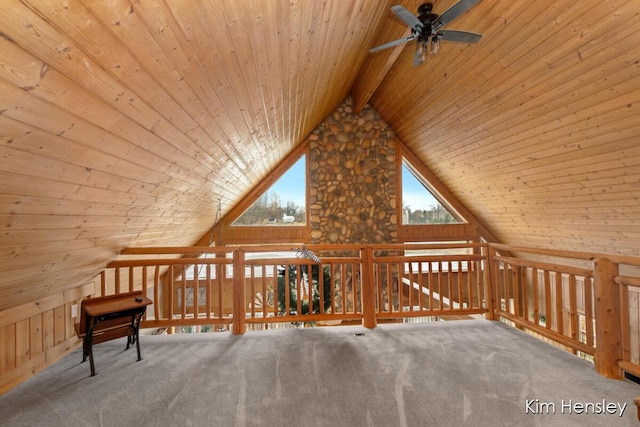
458,373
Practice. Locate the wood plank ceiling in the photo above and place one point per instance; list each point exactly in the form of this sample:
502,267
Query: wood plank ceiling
124,122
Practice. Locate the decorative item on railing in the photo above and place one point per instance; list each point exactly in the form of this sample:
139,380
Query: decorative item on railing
306,253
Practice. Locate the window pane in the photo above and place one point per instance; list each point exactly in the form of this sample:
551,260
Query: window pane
284,203
419,206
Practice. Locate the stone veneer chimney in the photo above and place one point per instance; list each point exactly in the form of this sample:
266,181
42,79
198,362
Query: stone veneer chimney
353,177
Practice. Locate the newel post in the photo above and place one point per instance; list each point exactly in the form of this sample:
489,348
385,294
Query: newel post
239,305
607,312
368,289
489,279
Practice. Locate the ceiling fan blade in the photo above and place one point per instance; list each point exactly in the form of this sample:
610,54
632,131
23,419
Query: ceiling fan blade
459,36
390,44
452,13
407,17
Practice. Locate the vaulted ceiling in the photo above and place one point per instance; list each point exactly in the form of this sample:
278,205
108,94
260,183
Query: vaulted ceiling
124,122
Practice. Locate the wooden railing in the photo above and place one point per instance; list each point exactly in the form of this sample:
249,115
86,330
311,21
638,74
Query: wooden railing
267,284
427,285
578,300
554,300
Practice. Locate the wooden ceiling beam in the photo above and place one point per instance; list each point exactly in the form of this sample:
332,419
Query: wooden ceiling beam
377,65
373,73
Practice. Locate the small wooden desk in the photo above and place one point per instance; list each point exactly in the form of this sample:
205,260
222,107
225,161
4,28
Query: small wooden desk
106,318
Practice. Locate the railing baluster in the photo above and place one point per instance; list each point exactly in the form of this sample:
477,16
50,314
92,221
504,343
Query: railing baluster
145,289
300,292
220,277
131,280
515,283
588,310
524,283
183,287
196,291
420,286
559,303
430,284
573,307
472,276
549,319
208,291
460,279
536,296
276,285
252,284
117,285
156,292
449,285
379,288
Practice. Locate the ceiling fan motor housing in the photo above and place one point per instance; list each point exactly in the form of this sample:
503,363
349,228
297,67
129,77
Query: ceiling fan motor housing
427,18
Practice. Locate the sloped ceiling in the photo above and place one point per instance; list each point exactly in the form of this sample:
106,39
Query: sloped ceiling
537,128
123,123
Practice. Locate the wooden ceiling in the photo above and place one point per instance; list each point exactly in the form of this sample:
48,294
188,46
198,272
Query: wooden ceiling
123,122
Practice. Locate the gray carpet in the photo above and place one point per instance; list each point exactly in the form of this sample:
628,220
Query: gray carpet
461,373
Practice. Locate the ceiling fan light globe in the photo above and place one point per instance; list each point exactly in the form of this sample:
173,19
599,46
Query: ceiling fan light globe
422,49
435,45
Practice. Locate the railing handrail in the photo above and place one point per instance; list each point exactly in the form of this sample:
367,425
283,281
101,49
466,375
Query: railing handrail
579,255
372,272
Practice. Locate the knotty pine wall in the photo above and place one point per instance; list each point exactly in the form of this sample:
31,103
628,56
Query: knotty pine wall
34,335
536,128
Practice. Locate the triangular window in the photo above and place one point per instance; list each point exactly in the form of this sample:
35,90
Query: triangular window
283,204
419,204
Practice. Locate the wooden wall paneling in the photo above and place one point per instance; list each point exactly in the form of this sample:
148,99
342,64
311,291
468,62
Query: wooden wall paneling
47,327
275,234
133,169
59,330
224,59
331,42
301,52
111,91
22,342
33,335
36,335
522,63
197,32
133,33
619,113
271,88
52,86
433,232
94,39
7,348
244,28
570,92
174,38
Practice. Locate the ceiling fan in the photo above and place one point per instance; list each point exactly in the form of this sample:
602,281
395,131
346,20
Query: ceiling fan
426,29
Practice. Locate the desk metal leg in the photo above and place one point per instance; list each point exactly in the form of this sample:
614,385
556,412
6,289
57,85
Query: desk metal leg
136,336
89,338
